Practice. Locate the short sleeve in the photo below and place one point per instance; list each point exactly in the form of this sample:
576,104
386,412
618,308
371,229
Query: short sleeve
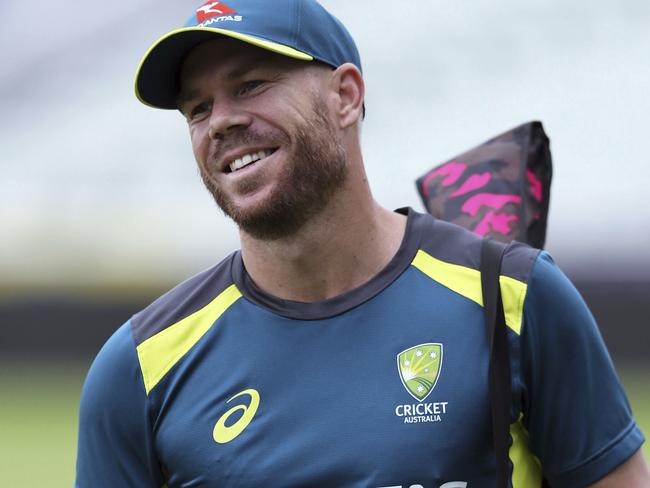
115,445
575,410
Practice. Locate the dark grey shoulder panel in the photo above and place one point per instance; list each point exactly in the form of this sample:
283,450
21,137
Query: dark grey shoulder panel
451,243
182,301
518,261
457,245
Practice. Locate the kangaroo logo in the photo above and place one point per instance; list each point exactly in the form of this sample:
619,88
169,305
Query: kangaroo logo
212,9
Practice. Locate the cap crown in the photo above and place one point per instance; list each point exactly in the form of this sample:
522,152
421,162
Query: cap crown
301,24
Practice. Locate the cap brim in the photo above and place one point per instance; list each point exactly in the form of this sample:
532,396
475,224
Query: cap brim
156,81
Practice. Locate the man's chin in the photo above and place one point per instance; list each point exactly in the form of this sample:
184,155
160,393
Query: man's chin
267,222
260,216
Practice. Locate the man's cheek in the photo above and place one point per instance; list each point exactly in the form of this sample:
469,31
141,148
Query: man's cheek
200,148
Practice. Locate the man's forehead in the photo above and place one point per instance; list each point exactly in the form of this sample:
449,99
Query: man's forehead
228,59
233,58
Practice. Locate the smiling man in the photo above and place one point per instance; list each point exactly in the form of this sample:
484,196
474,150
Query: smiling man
284,168
344,344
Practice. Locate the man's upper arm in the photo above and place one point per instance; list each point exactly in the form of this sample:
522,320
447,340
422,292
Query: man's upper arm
579,421
632,473
115,446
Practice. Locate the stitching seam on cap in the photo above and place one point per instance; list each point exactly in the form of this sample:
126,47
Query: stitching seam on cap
298,14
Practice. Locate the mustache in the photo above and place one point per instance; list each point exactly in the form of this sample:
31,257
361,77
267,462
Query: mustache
244,137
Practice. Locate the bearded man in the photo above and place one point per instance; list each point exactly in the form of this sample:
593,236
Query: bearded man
344,344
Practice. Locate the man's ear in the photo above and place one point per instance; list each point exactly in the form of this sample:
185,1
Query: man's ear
350,88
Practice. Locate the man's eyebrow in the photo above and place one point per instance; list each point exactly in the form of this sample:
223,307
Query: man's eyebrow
244,69
186,96
237,72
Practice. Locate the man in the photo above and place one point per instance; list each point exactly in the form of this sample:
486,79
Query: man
343,345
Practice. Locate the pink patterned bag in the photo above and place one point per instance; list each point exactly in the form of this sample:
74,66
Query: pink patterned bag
499,189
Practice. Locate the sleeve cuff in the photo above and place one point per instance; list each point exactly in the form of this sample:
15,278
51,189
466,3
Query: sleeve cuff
603,462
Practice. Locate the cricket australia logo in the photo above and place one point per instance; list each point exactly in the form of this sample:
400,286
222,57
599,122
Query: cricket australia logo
419,369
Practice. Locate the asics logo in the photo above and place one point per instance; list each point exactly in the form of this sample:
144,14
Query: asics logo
223,433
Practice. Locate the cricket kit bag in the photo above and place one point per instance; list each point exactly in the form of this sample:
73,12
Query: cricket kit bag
499,190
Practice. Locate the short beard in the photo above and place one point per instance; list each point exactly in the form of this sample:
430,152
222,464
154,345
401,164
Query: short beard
315,170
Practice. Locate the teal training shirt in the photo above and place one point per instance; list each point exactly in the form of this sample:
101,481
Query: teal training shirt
218,384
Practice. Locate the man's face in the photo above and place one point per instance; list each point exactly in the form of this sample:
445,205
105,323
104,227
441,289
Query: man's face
265,145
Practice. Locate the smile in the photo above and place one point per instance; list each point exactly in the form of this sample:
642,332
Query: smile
251,158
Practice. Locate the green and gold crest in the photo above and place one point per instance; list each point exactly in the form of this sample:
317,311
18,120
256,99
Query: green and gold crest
419,368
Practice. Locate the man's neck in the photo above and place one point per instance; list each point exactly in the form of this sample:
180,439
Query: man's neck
338,250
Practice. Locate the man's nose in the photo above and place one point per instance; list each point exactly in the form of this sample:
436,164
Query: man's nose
226,116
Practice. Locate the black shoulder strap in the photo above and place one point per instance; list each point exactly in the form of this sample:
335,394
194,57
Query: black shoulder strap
491,256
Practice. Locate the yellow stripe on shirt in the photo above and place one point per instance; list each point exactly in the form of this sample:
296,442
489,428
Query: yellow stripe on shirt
526,468
159,353
467,282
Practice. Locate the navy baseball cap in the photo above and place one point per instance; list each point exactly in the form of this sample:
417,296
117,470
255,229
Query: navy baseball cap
300,29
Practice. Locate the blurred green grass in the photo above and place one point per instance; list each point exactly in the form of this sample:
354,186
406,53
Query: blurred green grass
39,408
39,405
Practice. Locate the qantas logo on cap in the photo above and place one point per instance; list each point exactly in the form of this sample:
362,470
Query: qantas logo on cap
212,9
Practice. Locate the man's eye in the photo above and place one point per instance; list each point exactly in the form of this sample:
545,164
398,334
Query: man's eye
249,86
198,110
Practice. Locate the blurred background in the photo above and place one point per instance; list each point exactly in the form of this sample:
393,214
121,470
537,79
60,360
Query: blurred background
102,209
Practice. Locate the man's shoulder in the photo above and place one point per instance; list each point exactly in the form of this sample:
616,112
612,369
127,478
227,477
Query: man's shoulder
456,245
183,300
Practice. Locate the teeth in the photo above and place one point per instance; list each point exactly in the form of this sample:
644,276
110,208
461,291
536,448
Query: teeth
248,159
